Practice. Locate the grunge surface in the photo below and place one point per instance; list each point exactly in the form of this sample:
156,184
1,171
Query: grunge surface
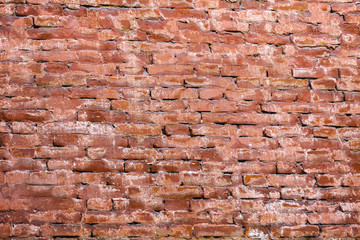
179,119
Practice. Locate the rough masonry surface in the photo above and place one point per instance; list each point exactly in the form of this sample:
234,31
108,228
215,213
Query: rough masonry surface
179,119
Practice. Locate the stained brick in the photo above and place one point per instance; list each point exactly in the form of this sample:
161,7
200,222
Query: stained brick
218,230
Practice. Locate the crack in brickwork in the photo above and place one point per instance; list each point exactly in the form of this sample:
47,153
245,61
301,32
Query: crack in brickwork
179,119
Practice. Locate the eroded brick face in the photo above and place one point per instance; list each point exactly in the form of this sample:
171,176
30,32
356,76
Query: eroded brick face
178,119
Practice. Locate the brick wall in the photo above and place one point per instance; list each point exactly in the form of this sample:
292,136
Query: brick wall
179,119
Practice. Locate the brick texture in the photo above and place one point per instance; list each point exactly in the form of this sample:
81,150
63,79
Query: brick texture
179,119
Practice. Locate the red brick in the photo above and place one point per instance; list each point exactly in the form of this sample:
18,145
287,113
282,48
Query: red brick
334,231
208,180
174,93
221,218
99,204
5,230
352,180
165,178
65,140
213,205
26,115
98,165
256,231
330,218
25,230
298,6
175,166
18,177
136,166
180,231
39,10
61,128
20,140
315,41
297,231
177,130
47,21
101,116
255,180
328,180
106,217
244,71
320,167
287,83
354,144
4,205
182,14
217,193
206,4
46,204
354,231
137,129
278,218
326,132
352,18
290,180
55,152
314,72
22,204
93,178
244,94
124,230
230,26
211,93
23,127
180,192
177,205
327,84
218,230
7,10
54,178
215,106
93,191
65,230
170,70
245,192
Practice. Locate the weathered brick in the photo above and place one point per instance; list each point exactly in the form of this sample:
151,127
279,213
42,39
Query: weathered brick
98,165
180,192
334,231
25,230
5,230
65,230
218,230
297,231
170,70
315,41
123,230
23,127
99,204
330,218
54,178
255,180
177,205
180,231
174,93
177,130
137,129
328,180
243,71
